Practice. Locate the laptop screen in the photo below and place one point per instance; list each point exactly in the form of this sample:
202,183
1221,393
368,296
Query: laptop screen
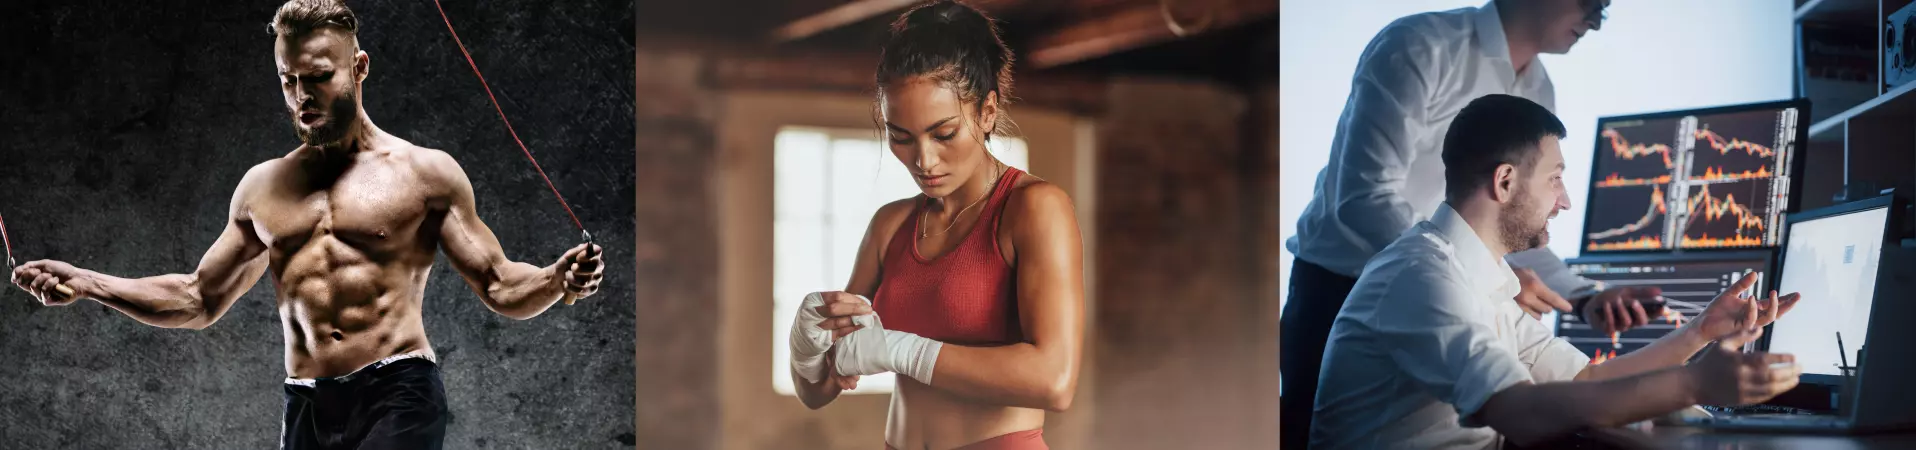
1832,261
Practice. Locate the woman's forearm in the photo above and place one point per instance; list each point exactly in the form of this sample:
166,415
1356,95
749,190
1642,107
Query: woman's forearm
1022,375
815,395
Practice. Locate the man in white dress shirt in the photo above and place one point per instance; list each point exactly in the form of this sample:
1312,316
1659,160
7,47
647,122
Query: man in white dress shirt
1429,351
1384,173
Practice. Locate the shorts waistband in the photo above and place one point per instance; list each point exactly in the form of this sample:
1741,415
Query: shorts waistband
313,382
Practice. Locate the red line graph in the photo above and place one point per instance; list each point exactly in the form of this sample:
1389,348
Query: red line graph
1624,149
1642,243
1720,174
1712,209
1600,357
1650,214
1709,242
1615,180
1716,142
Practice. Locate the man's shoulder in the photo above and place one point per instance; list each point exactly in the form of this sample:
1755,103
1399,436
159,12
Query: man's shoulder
429,163
1419,260
430,157
263,171
1418,248
1428,28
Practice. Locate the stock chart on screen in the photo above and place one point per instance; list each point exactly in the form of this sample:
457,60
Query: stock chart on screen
1710,179
1689,284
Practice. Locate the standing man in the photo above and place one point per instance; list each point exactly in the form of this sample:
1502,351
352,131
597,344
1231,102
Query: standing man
1385,172
349,225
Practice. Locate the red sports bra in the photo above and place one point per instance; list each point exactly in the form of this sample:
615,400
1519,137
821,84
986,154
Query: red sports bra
967,296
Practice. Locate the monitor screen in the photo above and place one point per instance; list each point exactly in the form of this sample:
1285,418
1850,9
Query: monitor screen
1832,262
1689,282
1718,178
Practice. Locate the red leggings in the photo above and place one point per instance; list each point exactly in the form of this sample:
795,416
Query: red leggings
1022,440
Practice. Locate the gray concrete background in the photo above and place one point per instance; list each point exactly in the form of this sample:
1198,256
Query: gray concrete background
127,124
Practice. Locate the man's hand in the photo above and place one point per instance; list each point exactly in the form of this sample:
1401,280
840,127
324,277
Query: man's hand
1727,377
41,277
581,269
1616,310
1732,312
1536,297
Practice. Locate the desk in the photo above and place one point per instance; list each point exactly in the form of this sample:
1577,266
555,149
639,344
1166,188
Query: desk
1691,438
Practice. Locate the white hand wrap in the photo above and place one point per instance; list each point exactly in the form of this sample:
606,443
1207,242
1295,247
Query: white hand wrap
874,350
809,342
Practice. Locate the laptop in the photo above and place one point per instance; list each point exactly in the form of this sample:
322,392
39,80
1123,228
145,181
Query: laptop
1843,260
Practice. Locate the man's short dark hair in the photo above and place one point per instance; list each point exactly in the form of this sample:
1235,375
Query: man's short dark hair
1494,130
303,16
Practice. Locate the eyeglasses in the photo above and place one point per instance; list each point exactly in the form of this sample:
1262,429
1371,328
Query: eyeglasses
1593,13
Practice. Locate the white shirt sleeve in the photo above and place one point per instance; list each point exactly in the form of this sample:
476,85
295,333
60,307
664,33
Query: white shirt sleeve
1427,320
1388,104
1554,272
1550,359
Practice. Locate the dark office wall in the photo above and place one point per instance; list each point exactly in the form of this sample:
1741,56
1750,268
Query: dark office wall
127,125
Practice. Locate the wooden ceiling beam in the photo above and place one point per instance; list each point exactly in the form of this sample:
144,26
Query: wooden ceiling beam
1141,25
846,14
856,11
851,73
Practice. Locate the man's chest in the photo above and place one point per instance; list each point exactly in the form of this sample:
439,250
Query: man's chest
371,205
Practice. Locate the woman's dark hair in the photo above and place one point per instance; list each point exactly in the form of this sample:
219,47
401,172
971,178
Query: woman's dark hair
956,45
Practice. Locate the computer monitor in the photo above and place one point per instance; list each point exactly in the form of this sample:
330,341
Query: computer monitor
1717,178
1689,281
1832,257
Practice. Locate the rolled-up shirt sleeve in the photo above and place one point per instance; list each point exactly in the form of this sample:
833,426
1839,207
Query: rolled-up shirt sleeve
1551,359
1387,113
1426,320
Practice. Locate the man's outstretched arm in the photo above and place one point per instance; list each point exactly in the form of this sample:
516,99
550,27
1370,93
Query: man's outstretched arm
193,300
1535,413
513,289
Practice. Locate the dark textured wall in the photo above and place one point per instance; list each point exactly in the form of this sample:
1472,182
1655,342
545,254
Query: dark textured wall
127,125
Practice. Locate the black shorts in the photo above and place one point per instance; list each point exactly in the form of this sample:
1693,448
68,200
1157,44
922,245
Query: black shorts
396,405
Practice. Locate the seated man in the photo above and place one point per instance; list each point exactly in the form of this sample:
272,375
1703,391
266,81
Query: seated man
1429,349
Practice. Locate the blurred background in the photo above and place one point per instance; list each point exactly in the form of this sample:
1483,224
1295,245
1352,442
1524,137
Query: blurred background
760,164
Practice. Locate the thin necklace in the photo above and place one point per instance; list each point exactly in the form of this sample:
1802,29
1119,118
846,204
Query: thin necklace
925,233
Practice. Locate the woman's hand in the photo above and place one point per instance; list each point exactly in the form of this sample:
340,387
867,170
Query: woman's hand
839,311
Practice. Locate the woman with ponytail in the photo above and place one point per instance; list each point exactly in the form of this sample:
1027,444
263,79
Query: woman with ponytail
972,292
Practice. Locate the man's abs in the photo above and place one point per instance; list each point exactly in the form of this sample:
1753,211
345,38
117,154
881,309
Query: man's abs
342,311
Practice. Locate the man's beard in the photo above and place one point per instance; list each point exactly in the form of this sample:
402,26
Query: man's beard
1519,233
339,119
